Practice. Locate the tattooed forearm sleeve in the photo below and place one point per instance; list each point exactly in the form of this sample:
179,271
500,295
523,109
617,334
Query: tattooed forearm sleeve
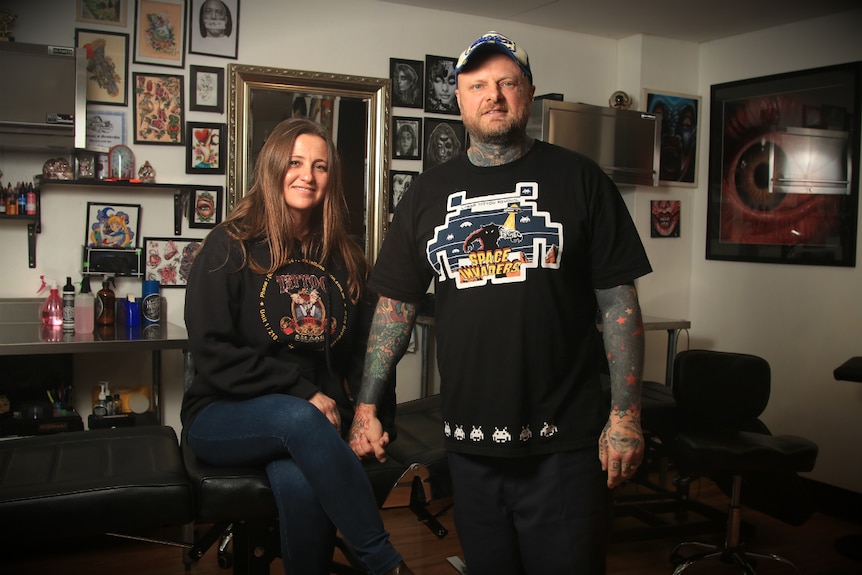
387,341
623,335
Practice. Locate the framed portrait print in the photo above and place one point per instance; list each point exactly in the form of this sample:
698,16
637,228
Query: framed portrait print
440,85
680,116
206,89
160,32
107,66
205,148
406,138
169,260
400,182
408,82
214,28
112,225
444,139
784,168
664,218
158,110
205,206
112,12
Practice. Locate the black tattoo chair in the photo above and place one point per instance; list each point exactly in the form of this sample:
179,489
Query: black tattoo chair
719,397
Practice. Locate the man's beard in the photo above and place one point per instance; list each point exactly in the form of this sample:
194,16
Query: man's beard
498,135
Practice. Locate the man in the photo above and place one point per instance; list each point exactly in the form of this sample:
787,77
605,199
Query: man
524,241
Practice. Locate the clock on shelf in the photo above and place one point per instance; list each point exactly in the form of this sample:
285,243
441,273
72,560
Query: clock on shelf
121,163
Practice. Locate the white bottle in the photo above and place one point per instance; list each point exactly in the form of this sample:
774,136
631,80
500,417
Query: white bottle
85,308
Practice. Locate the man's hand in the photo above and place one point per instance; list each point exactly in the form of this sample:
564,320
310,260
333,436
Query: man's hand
621,447
366,437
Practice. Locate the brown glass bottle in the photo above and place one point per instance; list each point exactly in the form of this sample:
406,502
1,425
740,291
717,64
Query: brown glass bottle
105,305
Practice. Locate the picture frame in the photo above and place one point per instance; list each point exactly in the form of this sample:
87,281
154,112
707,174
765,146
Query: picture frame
106,128
206,89
169,260
160,32
406,138
679,132
112,225
399,182
107,66
205,206
112,13
440,85
408,82
784,168
444,139
85,164
205,148
214,28
158,109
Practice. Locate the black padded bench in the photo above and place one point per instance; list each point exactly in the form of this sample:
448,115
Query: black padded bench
128,480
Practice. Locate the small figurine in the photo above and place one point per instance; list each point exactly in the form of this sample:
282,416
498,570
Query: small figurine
147,174
7,18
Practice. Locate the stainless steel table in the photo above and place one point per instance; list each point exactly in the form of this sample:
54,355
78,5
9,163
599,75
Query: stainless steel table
31,338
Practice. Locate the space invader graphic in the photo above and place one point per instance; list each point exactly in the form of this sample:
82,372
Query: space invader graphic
495,238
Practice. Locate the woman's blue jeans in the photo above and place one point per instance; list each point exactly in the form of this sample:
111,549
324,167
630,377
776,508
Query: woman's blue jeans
318,482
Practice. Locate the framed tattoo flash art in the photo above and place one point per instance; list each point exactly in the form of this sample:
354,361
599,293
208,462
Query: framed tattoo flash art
112,13
112,225
169,260
206,89
160,32
664,218
107,66
205,206
680,116
784,168
205,149
214,28
158,100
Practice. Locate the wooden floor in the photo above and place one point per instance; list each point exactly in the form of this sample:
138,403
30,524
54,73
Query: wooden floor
811,547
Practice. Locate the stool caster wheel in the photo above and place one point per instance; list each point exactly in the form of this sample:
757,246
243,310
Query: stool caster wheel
225,559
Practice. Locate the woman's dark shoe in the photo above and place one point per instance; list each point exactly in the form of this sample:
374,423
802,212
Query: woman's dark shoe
400,569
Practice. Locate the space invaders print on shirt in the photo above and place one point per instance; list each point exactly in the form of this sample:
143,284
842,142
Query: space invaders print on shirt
494,238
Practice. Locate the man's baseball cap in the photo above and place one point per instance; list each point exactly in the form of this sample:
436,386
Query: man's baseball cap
495,42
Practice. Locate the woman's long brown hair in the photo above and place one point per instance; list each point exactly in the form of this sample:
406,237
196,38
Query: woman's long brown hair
262,215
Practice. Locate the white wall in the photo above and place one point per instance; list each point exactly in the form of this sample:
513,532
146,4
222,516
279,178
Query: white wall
805,321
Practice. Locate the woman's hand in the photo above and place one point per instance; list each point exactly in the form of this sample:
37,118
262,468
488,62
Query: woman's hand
327,407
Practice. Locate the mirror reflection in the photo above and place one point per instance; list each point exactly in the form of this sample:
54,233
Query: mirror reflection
355,109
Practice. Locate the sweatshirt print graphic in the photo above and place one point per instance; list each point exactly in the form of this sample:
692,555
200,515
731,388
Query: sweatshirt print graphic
495,238
300,305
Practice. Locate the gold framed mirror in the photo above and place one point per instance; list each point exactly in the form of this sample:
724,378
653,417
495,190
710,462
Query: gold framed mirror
356,108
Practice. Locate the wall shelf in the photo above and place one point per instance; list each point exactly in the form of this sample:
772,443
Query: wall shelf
34,222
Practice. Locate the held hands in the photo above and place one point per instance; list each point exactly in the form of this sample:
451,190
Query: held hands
621,447
366,437
327,407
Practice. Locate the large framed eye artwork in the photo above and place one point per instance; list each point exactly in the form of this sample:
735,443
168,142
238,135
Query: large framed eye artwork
784,168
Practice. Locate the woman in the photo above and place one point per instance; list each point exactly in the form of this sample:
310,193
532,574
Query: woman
277,317
406,139
441,92
405,89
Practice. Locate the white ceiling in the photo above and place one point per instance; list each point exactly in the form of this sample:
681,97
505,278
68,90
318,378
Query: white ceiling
689,20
